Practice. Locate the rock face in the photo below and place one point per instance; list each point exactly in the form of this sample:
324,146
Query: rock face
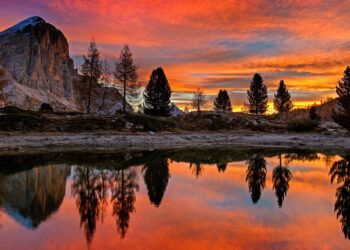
36,58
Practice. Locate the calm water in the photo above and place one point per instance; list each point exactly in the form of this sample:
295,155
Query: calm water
189,199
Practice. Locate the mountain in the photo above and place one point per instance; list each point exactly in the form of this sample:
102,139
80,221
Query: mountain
38,69
36,58
175,111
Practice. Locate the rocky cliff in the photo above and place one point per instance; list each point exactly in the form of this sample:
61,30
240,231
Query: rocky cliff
36,58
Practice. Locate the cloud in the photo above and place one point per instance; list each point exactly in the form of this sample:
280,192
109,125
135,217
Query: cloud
209,44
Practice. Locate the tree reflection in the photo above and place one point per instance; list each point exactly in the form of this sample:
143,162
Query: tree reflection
88,190
280,179
256,177
221,166
156,176
123,198
196,169
340,173
91,188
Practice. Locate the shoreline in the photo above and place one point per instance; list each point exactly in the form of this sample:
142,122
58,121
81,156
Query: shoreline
41,143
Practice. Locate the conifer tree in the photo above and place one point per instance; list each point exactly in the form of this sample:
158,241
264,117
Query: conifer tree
157,94
282,101
126,76
222,102
257,96
341,114
91,71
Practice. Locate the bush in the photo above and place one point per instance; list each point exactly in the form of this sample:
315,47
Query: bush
302,125
46,107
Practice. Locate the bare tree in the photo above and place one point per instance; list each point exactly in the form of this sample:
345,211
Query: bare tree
199,99
126,76
91,71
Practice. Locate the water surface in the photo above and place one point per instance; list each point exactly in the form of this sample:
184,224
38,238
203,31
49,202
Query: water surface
190,199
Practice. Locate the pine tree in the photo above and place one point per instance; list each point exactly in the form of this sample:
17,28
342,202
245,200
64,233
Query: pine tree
257,96
91,71
313,113
341,114
222,102
157,94
126,76
282,101
199,99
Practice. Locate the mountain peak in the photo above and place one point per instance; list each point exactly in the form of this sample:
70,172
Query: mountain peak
32,21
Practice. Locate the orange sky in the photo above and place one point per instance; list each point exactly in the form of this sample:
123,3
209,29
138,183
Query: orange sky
210,44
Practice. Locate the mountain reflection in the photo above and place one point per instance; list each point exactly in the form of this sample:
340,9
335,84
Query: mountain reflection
340,173
156,176
30,197
256,177
280,178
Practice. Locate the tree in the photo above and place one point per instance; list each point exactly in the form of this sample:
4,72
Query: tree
282,102
341,114
3,84
257,96
256,177
156,176
126,76
222,102
199,99
124,198
280,179
91,72
157,94
340,173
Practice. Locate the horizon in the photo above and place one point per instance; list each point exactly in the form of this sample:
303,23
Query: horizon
218,46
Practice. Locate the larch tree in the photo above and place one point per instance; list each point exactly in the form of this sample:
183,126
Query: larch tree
199,99
91,72
341,113
282,101
127,78
222,102
157,94
257,96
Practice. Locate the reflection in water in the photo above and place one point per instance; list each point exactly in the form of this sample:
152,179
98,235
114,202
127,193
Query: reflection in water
156,176
340,172
196,168
256,177
106,192
123,198
221,166
89,190
280,178
30,197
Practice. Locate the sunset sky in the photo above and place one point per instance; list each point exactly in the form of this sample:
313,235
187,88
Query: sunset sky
210,44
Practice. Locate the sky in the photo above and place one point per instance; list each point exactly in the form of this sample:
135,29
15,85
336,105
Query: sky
210,44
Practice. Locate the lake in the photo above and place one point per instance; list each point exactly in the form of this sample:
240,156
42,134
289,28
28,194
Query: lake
224,198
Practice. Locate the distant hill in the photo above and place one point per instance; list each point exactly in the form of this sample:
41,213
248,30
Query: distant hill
324,110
